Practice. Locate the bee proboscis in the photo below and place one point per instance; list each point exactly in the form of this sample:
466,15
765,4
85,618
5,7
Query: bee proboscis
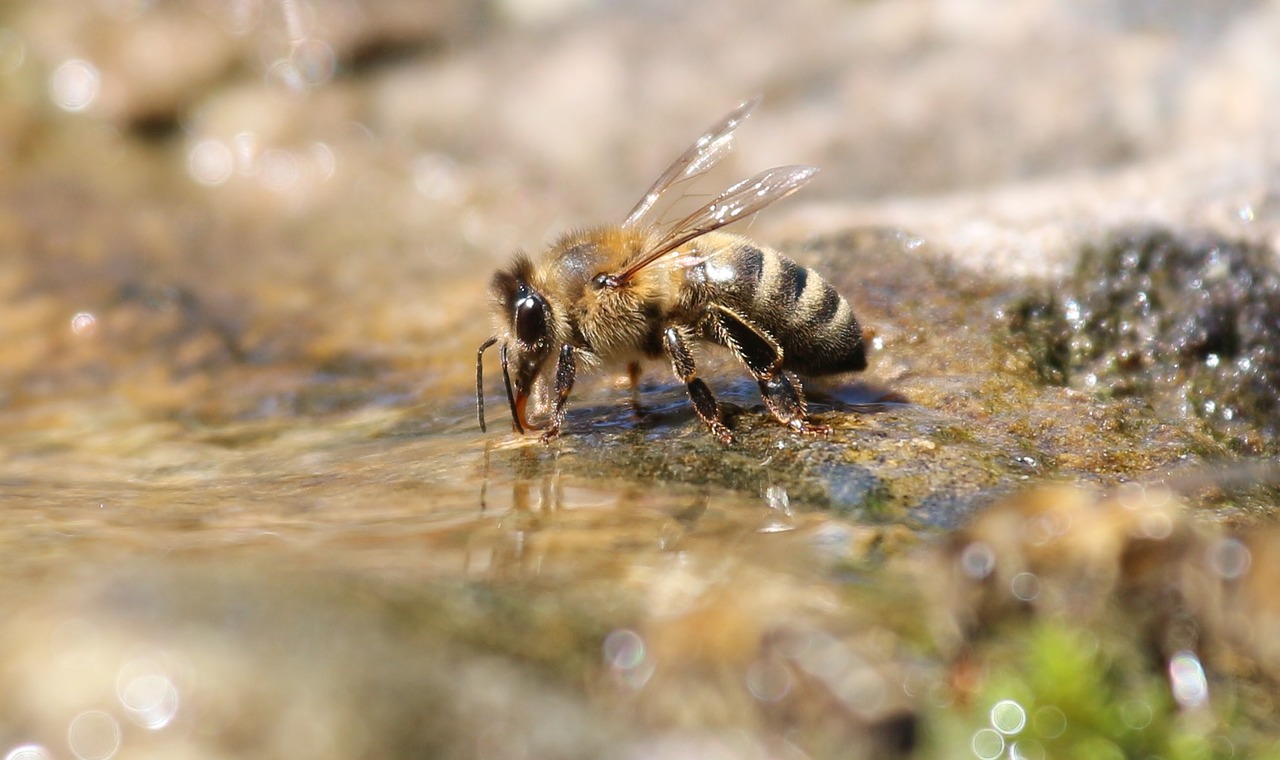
617,294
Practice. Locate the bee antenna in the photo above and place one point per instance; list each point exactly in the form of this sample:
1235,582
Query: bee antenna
480,380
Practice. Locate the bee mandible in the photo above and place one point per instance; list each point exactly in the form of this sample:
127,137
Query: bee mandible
617,294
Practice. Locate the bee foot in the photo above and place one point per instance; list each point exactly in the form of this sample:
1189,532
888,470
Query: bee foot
722,432
809,428
549,435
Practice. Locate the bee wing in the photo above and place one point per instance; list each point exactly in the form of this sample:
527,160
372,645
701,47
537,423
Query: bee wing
697,159
738,202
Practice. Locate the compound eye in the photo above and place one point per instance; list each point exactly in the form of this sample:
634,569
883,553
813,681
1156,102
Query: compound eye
531,319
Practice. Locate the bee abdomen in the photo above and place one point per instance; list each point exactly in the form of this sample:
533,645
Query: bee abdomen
813,323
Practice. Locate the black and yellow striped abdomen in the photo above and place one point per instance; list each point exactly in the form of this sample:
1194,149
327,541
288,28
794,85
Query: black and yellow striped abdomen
812,323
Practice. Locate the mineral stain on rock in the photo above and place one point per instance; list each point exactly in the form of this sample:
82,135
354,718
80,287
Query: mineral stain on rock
1188,321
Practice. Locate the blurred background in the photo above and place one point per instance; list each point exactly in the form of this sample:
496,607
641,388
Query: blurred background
379,146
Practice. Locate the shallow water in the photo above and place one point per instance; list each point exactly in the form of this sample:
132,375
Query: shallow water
229,534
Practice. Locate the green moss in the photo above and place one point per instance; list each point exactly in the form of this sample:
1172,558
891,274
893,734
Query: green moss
1063,692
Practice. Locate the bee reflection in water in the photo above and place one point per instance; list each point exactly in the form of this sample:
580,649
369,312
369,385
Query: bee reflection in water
569,524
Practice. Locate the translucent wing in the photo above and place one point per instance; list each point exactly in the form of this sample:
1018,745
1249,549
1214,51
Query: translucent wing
738,202
706,152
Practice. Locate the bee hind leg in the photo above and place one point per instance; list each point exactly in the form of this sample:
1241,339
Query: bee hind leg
782,393
704,403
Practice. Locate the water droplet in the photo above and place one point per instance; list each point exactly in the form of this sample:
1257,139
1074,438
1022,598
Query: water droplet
1008,717
74,85
778,499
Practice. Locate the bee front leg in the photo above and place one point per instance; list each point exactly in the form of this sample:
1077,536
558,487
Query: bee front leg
633,375
782,393
703,402
566,371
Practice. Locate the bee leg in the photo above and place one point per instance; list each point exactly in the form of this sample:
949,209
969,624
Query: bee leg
633,374
785,398
761,354
703,402
566,371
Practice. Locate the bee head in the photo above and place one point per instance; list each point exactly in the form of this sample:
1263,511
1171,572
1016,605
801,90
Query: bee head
524,319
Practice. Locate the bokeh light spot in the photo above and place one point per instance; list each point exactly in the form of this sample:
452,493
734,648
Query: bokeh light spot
278,169
435,176
74,85
977,560
147,693
1136,714
94,735
1049,722
1025,586
987,744
1026,750
1008,717
625,653
768,679
623,648
326,161
313,61
28,752
210,162
83,323
1157,526
1187,679
12,52
1230,558
1131,495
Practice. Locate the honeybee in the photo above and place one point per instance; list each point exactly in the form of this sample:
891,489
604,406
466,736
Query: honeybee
617,294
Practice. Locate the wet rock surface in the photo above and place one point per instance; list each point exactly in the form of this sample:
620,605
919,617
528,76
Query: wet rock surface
1189,321
248,511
